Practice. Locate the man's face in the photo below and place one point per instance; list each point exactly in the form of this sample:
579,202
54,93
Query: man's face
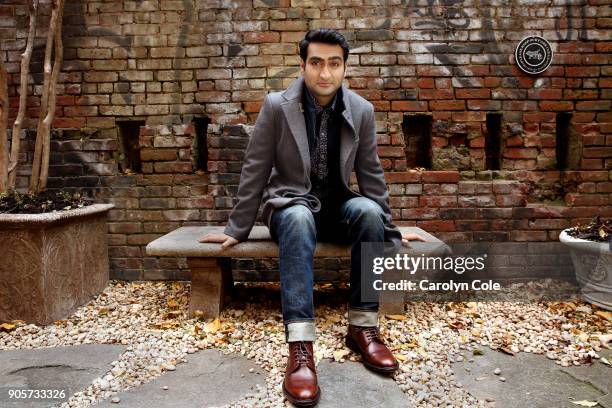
323,71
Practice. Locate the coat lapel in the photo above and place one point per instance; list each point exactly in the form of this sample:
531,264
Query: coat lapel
292,108
348,140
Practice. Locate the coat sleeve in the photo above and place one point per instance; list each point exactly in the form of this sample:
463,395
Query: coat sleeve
256,168
369,172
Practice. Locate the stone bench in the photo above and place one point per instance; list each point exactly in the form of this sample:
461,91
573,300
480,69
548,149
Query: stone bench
211,274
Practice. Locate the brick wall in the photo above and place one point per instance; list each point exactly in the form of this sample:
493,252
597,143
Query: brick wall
162,64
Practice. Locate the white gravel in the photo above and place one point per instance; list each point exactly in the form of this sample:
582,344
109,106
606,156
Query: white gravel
150,318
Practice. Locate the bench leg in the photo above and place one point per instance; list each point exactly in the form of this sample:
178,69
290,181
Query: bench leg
211,280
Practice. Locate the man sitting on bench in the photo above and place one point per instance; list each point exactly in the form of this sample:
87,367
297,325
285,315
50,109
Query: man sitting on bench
305,143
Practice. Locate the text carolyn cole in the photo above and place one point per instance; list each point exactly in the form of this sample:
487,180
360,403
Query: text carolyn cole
426,285
413,263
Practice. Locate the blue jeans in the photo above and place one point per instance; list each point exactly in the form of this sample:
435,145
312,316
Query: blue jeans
296,230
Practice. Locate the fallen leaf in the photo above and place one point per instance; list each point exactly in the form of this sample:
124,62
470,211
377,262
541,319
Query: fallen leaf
456,325
334,318
103,311
585,403
568,305
422,353
477,352
401,357
213,326
173,314
411,344
396,317
604,315
507,351
340,354
7,327
605,361
172,304
166,325
574,330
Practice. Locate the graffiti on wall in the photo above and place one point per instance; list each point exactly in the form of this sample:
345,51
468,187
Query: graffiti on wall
439,14
574,23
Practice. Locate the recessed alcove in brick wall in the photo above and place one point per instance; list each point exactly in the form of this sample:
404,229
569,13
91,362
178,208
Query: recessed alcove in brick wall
504,205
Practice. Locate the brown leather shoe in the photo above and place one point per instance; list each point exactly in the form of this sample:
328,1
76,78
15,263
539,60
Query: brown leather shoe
374,354
300,384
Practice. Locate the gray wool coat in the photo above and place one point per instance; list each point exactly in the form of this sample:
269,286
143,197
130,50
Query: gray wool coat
277,161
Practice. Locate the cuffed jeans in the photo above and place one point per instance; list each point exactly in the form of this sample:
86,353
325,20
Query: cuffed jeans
296,230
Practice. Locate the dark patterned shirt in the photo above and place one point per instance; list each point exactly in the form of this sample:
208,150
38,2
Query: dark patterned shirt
323,125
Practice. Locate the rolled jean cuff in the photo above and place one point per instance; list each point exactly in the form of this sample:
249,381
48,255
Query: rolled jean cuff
300,331
365,318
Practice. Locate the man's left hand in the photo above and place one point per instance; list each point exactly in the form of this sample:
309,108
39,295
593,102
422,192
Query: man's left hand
409,236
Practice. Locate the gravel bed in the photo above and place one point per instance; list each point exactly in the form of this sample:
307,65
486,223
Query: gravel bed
150,318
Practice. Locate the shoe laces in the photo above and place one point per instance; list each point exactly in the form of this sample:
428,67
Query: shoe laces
301,355
371,334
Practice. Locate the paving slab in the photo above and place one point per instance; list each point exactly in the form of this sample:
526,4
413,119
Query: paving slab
209,378
534,381
350,384
71,368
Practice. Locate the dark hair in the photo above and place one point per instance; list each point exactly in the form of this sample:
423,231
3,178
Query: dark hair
326,36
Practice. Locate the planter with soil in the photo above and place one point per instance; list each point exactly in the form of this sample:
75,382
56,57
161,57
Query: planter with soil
591,250
52,262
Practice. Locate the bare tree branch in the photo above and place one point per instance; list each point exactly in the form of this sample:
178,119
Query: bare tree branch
57,65
4,107
23,95
44,124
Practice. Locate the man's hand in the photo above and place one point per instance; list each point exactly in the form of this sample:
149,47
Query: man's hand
409,236
225,240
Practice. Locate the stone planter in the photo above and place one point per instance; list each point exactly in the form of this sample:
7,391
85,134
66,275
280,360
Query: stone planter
593,265
51,263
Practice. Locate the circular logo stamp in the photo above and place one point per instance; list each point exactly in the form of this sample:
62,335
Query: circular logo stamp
533,54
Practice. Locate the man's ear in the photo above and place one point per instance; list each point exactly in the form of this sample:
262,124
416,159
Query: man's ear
301,66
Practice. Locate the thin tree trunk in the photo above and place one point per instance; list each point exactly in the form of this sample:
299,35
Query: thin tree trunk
43,126
57,65
23,96
4,107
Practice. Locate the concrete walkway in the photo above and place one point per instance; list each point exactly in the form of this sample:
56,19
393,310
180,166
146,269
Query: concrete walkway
211,378
532,380
62,368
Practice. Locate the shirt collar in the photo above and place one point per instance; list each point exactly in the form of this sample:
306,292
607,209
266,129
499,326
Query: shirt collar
312,102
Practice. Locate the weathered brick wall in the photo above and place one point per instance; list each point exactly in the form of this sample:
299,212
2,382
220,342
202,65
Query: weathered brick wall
166,63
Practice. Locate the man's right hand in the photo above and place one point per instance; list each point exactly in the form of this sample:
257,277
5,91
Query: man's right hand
225,240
